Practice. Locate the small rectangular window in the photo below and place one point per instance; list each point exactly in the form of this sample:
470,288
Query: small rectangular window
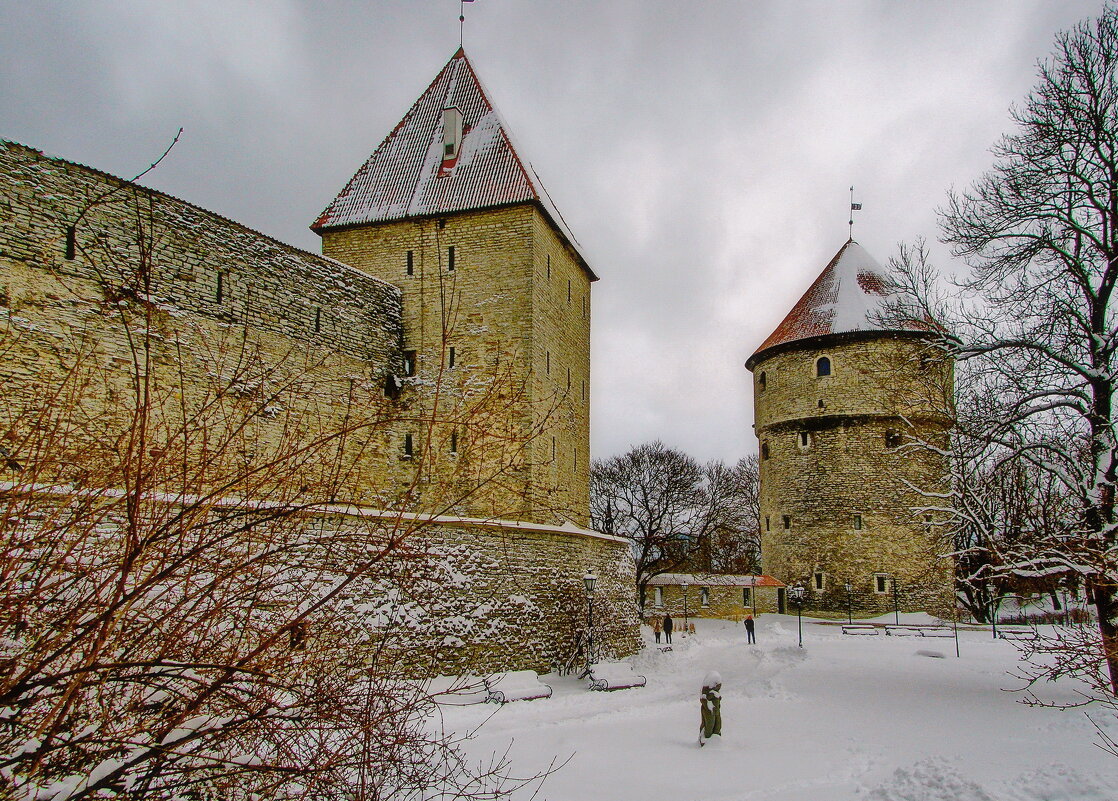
817,580
568,290
547,359
409,269
881,583
787,521
317,320
220,287
857,522
71,243
450,357
704,596
805,439
454,442
658,596
450,259
568,379
747,596
762,381
767,528
549,267
408,445
409,362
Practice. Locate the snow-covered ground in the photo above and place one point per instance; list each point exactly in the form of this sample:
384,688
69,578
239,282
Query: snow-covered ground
848,717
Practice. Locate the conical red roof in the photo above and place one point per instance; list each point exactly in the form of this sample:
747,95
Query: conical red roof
850,294
407,176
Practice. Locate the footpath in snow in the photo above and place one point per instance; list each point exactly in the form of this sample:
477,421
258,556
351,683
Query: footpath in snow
846,717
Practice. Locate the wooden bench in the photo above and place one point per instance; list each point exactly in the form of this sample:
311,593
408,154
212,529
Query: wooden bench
1016,634
859,628
606,676
516,685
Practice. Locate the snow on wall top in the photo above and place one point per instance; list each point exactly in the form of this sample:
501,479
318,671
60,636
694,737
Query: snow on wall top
406,176
713,580
849,295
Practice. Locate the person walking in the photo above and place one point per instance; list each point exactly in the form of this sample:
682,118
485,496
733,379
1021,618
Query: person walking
710,707
668,626
656,629
749,626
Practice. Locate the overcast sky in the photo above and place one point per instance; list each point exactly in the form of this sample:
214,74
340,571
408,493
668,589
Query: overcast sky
702,152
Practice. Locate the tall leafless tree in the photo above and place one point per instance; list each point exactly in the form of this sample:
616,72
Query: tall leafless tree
672,509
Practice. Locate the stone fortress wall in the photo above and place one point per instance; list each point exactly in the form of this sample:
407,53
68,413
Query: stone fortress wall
72,243
843,467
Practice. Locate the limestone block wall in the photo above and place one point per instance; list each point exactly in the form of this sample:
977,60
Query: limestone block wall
80,222
726,603
504,311
843,471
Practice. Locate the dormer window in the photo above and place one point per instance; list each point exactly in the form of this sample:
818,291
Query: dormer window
452,135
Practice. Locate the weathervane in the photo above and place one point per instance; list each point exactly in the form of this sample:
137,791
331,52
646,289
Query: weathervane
462,20
853,208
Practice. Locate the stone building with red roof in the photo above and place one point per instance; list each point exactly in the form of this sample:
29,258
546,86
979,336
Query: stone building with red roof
852,404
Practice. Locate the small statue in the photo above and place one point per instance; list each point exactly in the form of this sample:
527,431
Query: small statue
710,705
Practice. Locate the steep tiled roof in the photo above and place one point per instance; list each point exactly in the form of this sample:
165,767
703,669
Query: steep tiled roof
849,295
407,177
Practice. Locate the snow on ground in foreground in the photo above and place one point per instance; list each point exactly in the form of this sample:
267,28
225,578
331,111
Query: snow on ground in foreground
848,717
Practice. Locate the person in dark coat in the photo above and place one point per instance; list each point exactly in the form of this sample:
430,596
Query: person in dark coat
668,626
749,626
710,705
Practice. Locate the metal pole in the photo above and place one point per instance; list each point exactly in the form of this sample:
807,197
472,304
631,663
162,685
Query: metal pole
849,604
753,594
994,616
800,621
589,631
896,605
684,610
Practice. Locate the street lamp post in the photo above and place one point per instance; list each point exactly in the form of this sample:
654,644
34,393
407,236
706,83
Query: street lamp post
753,594
589,580
797,595
992,593
849,602
684,609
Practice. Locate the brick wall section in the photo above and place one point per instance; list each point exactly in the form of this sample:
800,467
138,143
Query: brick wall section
502,315
861,424
266,284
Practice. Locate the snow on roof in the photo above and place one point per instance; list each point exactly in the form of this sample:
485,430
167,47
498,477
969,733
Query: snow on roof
406,176
849,295
713,580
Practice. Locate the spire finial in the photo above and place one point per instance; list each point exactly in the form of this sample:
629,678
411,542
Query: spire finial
462,21
853,208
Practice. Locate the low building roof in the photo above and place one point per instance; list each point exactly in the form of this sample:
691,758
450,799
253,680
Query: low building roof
713,580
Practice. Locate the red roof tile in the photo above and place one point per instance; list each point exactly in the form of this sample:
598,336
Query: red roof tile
406,175
849,295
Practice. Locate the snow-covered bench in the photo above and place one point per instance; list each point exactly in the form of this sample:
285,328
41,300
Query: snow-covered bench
859,628
614,676
918,630
1016,634
457,690
516,685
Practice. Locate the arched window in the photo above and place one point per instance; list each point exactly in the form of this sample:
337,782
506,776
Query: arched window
764,450
762,381
822,366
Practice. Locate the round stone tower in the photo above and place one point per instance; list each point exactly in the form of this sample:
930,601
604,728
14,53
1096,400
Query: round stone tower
853,414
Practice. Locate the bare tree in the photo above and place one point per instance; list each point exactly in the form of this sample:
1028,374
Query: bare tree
189,608
672,509
1036,338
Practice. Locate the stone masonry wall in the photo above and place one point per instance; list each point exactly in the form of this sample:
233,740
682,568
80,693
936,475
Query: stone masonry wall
843,471
265,284
503,310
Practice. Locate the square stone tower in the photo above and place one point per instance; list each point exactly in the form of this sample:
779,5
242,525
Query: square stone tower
496,298
853,413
